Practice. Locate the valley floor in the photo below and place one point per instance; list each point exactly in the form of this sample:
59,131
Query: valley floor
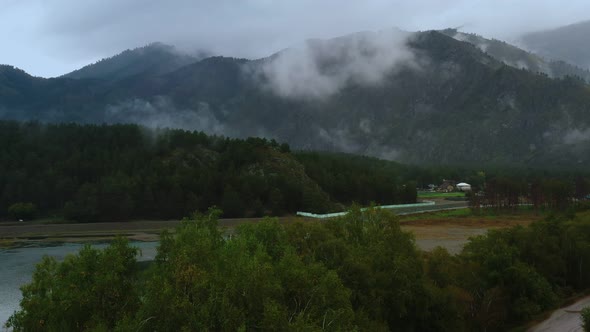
450,229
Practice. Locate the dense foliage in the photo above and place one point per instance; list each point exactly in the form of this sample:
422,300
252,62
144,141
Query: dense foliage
358,272
550,193
22,211
120,172
356,179
93,290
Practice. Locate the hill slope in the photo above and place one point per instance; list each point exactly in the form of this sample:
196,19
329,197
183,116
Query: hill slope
518,58
155,59
420,98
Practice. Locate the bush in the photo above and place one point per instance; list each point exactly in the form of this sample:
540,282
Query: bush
25,211
89,291
586,319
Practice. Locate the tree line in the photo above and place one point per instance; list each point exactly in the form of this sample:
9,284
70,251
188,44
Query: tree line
122,172
357,272
509,193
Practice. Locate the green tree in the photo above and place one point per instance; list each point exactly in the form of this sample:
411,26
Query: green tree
586,319
25,211
93,289
85,206
254,280
232,203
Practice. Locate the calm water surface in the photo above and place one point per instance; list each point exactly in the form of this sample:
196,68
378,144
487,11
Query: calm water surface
17,265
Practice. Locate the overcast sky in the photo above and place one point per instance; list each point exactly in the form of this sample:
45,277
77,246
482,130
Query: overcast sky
52,37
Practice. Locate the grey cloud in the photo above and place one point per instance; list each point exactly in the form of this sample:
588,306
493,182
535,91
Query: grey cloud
342,139
51,37
162,113
576,136
364,58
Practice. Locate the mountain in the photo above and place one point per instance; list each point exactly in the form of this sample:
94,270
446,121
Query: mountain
153,59
414,97
568,43
519,58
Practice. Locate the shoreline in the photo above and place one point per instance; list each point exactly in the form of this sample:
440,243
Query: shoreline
22,234
428,230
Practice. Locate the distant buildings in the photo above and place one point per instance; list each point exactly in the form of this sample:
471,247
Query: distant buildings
449,186
464,186
446,186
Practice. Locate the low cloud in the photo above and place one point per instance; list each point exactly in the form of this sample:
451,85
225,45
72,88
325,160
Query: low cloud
51,38
320,68
161,112
576,136
343,140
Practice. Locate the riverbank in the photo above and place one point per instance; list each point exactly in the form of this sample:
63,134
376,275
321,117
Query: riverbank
141,230
449,229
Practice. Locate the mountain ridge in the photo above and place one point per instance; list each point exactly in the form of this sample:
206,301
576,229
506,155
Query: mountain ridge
567,43
519,58
155,59
440,101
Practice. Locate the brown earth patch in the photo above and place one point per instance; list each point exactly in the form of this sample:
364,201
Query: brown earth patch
429,229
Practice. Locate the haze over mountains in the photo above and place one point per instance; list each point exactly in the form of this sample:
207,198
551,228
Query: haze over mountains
427,97
568,43
519,58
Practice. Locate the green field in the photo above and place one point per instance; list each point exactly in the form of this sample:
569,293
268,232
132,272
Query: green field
427,194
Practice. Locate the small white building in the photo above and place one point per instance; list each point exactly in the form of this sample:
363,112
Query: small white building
464,186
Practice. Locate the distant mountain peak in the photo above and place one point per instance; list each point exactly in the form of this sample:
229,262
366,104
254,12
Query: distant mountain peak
429,98
518,58
155,58
568,43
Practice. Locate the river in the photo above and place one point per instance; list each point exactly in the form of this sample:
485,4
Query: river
17,266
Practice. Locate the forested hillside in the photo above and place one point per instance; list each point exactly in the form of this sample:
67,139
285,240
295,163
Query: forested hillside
422,98
521,59
121,172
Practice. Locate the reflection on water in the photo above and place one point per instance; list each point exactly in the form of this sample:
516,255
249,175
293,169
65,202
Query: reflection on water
17,265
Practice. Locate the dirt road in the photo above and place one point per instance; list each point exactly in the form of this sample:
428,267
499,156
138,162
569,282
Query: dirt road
566,319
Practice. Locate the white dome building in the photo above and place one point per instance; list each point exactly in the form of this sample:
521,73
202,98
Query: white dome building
464,186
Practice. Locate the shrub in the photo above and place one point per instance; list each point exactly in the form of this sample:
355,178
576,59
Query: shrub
25,211
586,319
